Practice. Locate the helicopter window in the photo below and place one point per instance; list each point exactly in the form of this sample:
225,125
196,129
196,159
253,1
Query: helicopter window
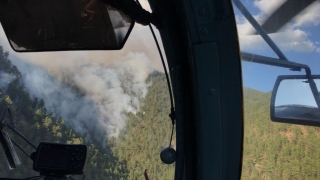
276,150
115,102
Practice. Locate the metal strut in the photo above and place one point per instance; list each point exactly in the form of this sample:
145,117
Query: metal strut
282,61
259,29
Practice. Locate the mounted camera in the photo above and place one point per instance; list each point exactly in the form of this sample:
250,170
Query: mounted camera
60,159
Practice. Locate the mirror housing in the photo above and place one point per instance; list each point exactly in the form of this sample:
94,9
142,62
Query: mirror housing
63,25
296,100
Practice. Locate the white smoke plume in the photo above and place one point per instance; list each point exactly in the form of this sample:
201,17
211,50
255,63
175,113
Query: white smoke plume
91,96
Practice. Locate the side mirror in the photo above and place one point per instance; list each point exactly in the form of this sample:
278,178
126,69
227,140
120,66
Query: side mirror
296,100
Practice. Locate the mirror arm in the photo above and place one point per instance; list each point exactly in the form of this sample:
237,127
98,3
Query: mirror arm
285,64
275,62
315,91
312,85
307,69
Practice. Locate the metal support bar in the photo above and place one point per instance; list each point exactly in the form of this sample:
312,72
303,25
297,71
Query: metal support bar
286,64
17,145
22,136
259,29
5,123
314,91
7,109
275,62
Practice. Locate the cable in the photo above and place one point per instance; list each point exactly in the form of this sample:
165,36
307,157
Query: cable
168,154
171,135
164,65
172,114
162,60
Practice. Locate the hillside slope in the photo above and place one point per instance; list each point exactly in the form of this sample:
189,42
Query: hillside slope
276,150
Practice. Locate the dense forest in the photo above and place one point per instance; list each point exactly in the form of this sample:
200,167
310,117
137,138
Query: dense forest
126,157
276,150
271,150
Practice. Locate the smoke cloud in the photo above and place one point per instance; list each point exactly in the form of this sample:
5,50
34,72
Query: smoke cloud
91,96
5,79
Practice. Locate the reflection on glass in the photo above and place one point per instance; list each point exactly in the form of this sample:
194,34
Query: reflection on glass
295,100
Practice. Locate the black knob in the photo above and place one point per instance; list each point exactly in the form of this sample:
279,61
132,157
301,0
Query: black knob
168,155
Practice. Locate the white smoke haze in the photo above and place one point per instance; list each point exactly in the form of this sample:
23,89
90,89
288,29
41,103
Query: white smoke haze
5,79
91,96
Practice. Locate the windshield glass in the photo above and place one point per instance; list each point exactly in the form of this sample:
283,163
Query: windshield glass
115,102
275,150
